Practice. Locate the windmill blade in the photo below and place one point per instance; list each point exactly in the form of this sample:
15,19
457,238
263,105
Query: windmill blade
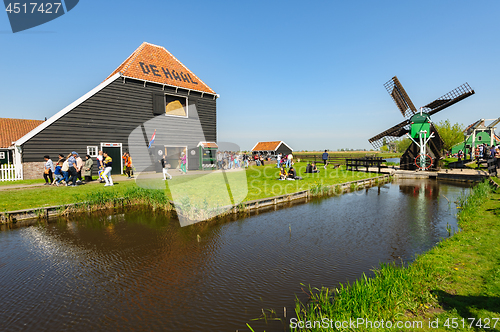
390,134
449,99
398,94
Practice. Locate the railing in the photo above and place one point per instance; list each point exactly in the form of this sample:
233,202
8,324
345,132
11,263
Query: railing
10,172
492,166
353,163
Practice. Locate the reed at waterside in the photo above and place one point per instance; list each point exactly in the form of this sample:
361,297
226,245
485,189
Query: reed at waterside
396,292
97,200
385,296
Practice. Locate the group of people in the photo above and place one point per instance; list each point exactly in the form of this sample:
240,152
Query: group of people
68,170
231,160
71,170
481,151
288,174
292,175
484,151
284,159
311,168
259,159
165,165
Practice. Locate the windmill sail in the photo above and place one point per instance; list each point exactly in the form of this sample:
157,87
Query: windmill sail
390,134
398,94
449,99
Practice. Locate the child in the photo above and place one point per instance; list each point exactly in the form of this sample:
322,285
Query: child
283,173
58,172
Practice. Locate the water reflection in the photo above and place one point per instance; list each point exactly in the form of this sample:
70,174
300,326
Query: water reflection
142,270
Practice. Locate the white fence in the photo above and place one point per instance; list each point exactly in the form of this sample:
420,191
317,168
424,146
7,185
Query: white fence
9,172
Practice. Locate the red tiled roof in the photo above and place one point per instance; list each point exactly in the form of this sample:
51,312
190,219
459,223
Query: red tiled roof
266,146
13,129
154,63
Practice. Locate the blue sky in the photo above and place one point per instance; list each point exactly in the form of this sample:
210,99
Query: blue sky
308,73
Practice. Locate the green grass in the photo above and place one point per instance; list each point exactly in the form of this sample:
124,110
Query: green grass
458,279
447,161
41,196
496,180
21,182
473,165
389,155
260,182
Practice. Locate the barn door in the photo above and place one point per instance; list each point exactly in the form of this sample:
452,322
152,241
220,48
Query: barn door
114,150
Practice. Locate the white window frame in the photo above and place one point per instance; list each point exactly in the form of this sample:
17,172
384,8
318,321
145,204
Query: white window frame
479,138
115,145
96,150
2,155
187,106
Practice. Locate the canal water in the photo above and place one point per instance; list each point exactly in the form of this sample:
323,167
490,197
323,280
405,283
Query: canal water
393,160
140,270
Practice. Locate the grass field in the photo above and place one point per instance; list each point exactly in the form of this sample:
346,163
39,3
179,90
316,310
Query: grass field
452,287
350,154
254,183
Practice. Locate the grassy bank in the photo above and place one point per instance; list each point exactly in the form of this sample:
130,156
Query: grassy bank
22,182
456,283
256,183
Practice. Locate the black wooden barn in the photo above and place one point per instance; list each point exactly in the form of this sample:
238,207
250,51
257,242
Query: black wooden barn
150,94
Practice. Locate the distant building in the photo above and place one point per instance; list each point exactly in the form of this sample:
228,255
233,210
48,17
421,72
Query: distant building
272,148
151,94
11,130
476,134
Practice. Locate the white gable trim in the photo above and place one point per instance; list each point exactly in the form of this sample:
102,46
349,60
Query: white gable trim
65,110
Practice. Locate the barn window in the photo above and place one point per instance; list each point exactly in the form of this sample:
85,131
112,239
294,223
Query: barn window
170,105
479,138
2,155
92,151
176,106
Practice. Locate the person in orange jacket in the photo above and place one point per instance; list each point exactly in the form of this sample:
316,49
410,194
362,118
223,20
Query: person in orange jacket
128,164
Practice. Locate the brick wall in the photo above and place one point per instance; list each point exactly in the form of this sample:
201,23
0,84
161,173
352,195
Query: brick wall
33,170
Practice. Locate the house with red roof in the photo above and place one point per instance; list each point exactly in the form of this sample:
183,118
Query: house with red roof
272,148
10,131
151,105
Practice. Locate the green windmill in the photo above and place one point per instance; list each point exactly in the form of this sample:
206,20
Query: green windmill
427,145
